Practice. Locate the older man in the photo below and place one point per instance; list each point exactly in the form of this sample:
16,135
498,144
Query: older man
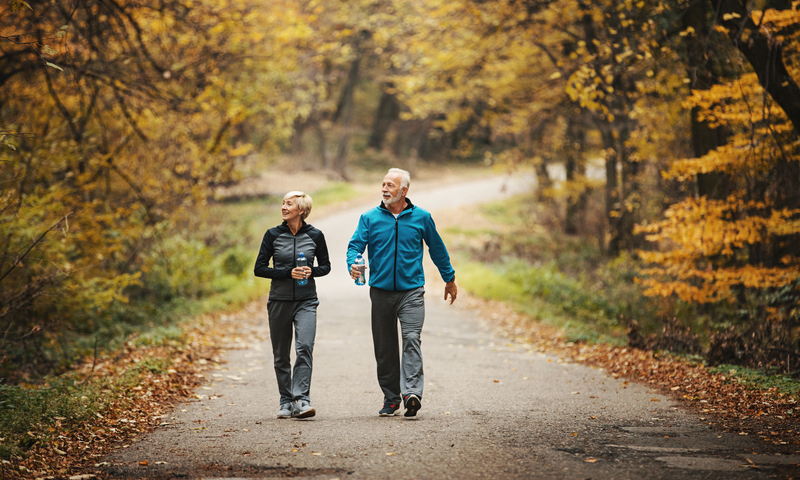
394,233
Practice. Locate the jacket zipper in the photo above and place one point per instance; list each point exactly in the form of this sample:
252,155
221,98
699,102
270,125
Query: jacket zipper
294,259
396,241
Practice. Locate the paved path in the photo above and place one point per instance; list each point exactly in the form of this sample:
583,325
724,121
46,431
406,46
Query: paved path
490,409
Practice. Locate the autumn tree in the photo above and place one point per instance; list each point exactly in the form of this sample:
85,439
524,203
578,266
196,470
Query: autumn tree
116,116
741,246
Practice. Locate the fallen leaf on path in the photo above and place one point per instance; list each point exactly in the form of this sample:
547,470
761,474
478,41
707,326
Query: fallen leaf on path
655,400
60,452
144,462
590,460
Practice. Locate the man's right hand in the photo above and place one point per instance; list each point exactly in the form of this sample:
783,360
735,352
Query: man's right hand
356,272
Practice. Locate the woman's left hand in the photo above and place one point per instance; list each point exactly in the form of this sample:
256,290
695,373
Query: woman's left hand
299,273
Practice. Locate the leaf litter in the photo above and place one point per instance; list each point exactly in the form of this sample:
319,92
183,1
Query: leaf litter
77,450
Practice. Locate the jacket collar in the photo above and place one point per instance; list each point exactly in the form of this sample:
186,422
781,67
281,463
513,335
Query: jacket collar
285,227
409,206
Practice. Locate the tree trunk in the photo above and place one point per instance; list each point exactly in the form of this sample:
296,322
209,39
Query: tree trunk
575,167
631,194
323,147
764,53
297,136
613,205
704,138
388,111
344,111
543,180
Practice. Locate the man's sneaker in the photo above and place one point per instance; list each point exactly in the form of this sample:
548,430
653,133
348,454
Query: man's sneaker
413,404
389,409
303,409
285,411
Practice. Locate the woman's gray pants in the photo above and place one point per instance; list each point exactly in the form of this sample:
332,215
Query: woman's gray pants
302,318
397,377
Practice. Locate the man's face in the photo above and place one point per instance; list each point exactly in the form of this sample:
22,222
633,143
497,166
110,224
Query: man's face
391,190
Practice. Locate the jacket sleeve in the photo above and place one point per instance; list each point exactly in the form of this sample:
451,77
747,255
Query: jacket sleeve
321,253
358,243
438,251
266,252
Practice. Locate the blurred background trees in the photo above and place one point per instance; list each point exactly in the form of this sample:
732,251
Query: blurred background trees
664,132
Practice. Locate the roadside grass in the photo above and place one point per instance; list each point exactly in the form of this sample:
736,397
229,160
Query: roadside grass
546,296
758,379
504,254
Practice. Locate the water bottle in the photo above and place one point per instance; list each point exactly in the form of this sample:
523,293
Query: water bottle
302,262
362,266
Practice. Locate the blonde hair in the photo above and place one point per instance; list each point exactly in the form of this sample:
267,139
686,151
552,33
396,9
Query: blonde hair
304,202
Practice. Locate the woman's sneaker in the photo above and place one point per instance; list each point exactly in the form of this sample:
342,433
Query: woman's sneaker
302,409
285,411
413,404
389,409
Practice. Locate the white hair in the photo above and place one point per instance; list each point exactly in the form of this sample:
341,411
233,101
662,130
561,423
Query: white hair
405,177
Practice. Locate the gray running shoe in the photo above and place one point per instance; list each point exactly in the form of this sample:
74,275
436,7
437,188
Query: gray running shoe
303,409
285,411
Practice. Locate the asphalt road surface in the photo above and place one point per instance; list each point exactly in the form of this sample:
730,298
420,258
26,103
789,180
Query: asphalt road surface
491,409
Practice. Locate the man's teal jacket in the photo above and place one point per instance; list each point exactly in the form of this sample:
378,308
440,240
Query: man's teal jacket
395,247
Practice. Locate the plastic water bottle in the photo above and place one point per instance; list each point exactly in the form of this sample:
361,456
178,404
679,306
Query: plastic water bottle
302,262
362,266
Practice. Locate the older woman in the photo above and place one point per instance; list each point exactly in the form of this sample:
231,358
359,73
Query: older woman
292,305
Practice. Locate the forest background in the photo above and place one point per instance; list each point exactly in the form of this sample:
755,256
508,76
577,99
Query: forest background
127,125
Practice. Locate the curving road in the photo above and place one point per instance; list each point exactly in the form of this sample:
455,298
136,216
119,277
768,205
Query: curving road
490,409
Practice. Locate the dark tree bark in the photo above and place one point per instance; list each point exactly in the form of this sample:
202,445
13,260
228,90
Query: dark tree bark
575,166
613,204
700,65
388,111
344,112
765,54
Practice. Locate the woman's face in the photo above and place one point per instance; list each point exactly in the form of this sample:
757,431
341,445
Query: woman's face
289,210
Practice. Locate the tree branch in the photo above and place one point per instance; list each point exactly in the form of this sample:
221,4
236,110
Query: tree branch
19,259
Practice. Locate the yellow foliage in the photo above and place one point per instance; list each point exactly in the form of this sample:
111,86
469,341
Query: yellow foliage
709,247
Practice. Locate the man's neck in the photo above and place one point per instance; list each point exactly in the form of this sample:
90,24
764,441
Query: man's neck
397,206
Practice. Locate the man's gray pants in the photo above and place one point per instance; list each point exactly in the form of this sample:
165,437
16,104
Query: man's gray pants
397,377
284,317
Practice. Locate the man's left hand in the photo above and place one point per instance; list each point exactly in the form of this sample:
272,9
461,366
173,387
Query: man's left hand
451,289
